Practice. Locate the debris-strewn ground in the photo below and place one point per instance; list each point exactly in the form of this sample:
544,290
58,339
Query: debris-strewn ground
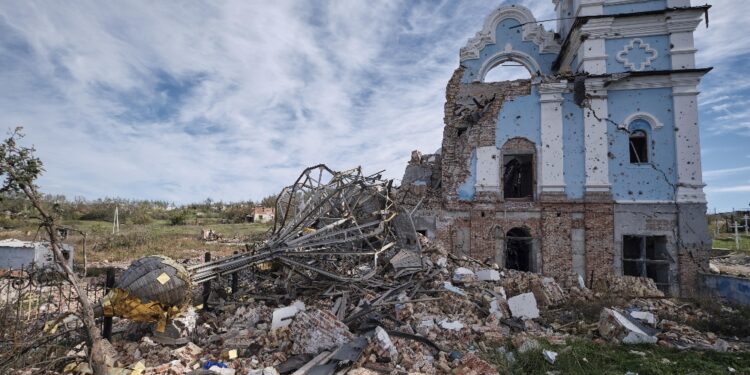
735,264
454,315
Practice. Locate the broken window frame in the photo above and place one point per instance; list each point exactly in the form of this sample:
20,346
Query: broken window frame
658,258
638,152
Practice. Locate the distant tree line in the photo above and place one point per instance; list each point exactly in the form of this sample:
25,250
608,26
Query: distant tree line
15,210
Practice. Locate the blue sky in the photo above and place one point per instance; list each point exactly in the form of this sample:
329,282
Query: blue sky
181,101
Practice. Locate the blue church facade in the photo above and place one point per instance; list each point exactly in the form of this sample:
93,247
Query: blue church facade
591,167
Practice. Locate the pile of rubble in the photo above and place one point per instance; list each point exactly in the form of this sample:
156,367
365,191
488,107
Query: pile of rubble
734,264
439,318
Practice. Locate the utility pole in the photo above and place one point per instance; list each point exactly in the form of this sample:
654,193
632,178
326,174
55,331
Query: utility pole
116,222
736,227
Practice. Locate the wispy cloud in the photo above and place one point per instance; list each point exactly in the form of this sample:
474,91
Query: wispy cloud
231,99
725,172
729,189
228,99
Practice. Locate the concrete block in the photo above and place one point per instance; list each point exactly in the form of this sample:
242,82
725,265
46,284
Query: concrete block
488,275
454,325
523,306
644,316
617,327
282,316
464,275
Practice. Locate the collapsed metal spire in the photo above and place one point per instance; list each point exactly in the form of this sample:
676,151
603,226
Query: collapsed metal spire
337,224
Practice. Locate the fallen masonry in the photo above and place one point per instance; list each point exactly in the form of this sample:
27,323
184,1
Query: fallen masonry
404,322
344,283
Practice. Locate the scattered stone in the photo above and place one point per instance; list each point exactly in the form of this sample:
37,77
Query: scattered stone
282,316
222,370
617,327
472,364
316,330
454,325
450,287
550,356
385,343
488,275
264,371
644,316
464,275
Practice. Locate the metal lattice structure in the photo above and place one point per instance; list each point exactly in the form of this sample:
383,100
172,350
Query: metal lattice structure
335,224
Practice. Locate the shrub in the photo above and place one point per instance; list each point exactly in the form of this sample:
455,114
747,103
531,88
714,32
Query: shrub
141,217
179,217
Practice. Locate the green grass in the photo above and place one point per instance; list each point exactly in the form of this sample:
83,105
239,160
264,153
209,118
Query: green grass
586,357
159,237
726,240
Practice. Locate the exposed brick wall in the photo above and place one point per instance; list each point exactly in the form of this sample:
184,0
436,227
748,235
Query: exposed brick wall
557,256
599,225
463,133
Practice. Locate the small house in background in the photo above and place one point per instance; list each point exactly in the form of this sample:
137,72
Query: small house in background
16,254
262,214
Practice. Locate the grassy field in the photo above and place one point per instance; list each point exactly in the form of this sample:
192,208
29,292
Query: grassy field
159,237
726,240
586,357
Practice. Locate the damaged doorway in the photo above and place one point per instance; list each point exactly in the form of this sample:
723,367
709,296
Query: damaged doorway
518,245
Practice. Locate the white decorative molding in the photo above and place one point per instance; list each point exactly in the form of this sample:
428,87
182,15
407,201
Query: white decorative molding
683,83
645,116
488,169
552,161
671,22
500,57
622,56
595,143
532,32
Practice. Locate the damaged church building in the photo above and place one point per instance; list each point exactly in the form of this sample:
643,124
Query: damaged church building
590,167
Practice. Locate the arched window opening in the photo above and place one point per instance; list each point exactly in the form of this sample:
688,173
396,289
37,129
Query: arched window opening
638,141
507,71
518,176
518,243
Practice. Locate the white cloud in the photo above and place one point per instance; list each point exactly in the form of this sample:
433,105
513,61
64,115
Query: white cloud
729,189
725,172
181,101
229,100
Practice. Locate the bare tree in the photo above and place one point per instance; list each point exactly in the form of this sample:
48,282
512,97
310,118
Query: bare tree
19,169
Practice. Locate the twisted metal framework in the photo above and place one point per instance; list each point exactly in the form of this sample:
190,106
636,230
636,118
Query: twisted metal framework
335,224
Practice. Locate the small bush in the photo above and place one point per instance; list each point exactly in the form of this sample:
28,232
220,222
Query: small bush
179,217
125,241
140,217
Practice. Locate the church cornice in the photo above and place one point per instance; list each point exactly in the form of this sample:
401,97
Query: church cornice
531,32
628,25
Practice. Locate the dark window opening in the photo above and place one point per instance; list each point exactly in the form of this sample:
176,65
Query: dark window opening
518,249
638,147
422,232
460,132
518,176
646,256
